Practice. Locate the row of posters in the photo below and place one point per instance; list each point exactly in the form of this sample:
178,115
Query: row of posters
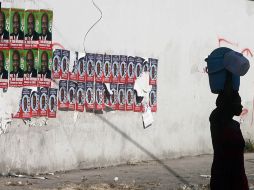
36,67
101,68
30,67
20,28
79,95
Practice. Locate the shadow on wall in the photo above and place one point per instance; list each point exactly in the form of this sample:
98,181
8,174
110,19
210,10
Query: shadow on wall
128,138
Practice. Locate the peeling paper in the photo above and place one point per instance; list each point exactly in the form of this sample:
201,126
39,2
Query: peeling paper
108,88
147,118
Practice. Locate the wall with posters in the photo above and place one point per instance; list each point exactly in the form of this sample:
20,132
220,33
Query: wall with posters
172,31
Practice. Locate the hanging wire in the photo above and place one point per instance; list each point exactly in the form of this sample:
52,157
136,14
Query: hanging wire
92,25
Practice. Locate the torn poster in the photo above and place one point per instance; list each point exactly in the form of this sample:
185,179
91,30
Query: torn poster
123,69
138,107
129,97
107,93
44,68
35,104
81,88
138,66
31,29
99,68
114,96
17,28
30,65
90,58
73,66
107,69
52,104
72,89
4,68
82,63
43,108
99,102
62,95
65,64
16,68
121,96
153,98
57,54
130,70
89,104
25,103
153,71
115,68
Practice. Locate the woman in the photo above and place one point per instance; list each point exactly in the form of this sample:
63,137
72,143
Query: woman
227,172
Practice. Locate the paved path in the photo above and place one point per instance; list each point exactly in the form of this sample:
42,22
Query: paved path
164,174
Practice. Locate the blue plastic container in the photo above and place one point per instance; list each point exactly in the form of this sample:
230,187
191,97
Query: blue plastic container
217,72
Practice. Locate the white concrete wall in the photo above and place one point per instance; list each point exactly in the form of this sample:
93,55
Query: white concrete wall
180,34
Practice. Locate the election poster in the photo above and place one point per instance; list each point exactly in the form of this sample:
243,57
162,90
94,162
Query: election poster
107,72
82,64
153,71
99,102
65,64
138,107
81,92
17,26
130,69
153,98
138,66
5,28
17,68
90,58
129,97
89,103
114,96
35,104
57,55
4,68
43,104
25,103
44,68
72,90
30,67
121,97
123,69
52,103
115,68
31,29
99,68
63,102
45,29
73,66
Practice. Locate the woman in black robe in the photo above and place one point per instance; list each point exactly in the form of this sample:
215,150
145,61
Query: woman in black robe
227,172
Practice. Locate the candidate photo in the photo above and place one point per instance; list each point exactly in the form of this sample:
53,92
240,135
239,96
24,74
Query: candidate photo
31,34
4,34
45,33
31,71
17,34
16,72
45,71
3,72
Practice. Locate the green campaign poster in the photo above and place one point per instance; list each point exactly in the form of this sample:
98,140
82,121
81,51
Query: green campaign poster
31,60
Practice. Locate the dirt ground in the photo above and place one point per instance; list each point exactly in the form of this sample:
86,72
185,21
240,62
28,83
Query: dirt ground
188,173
